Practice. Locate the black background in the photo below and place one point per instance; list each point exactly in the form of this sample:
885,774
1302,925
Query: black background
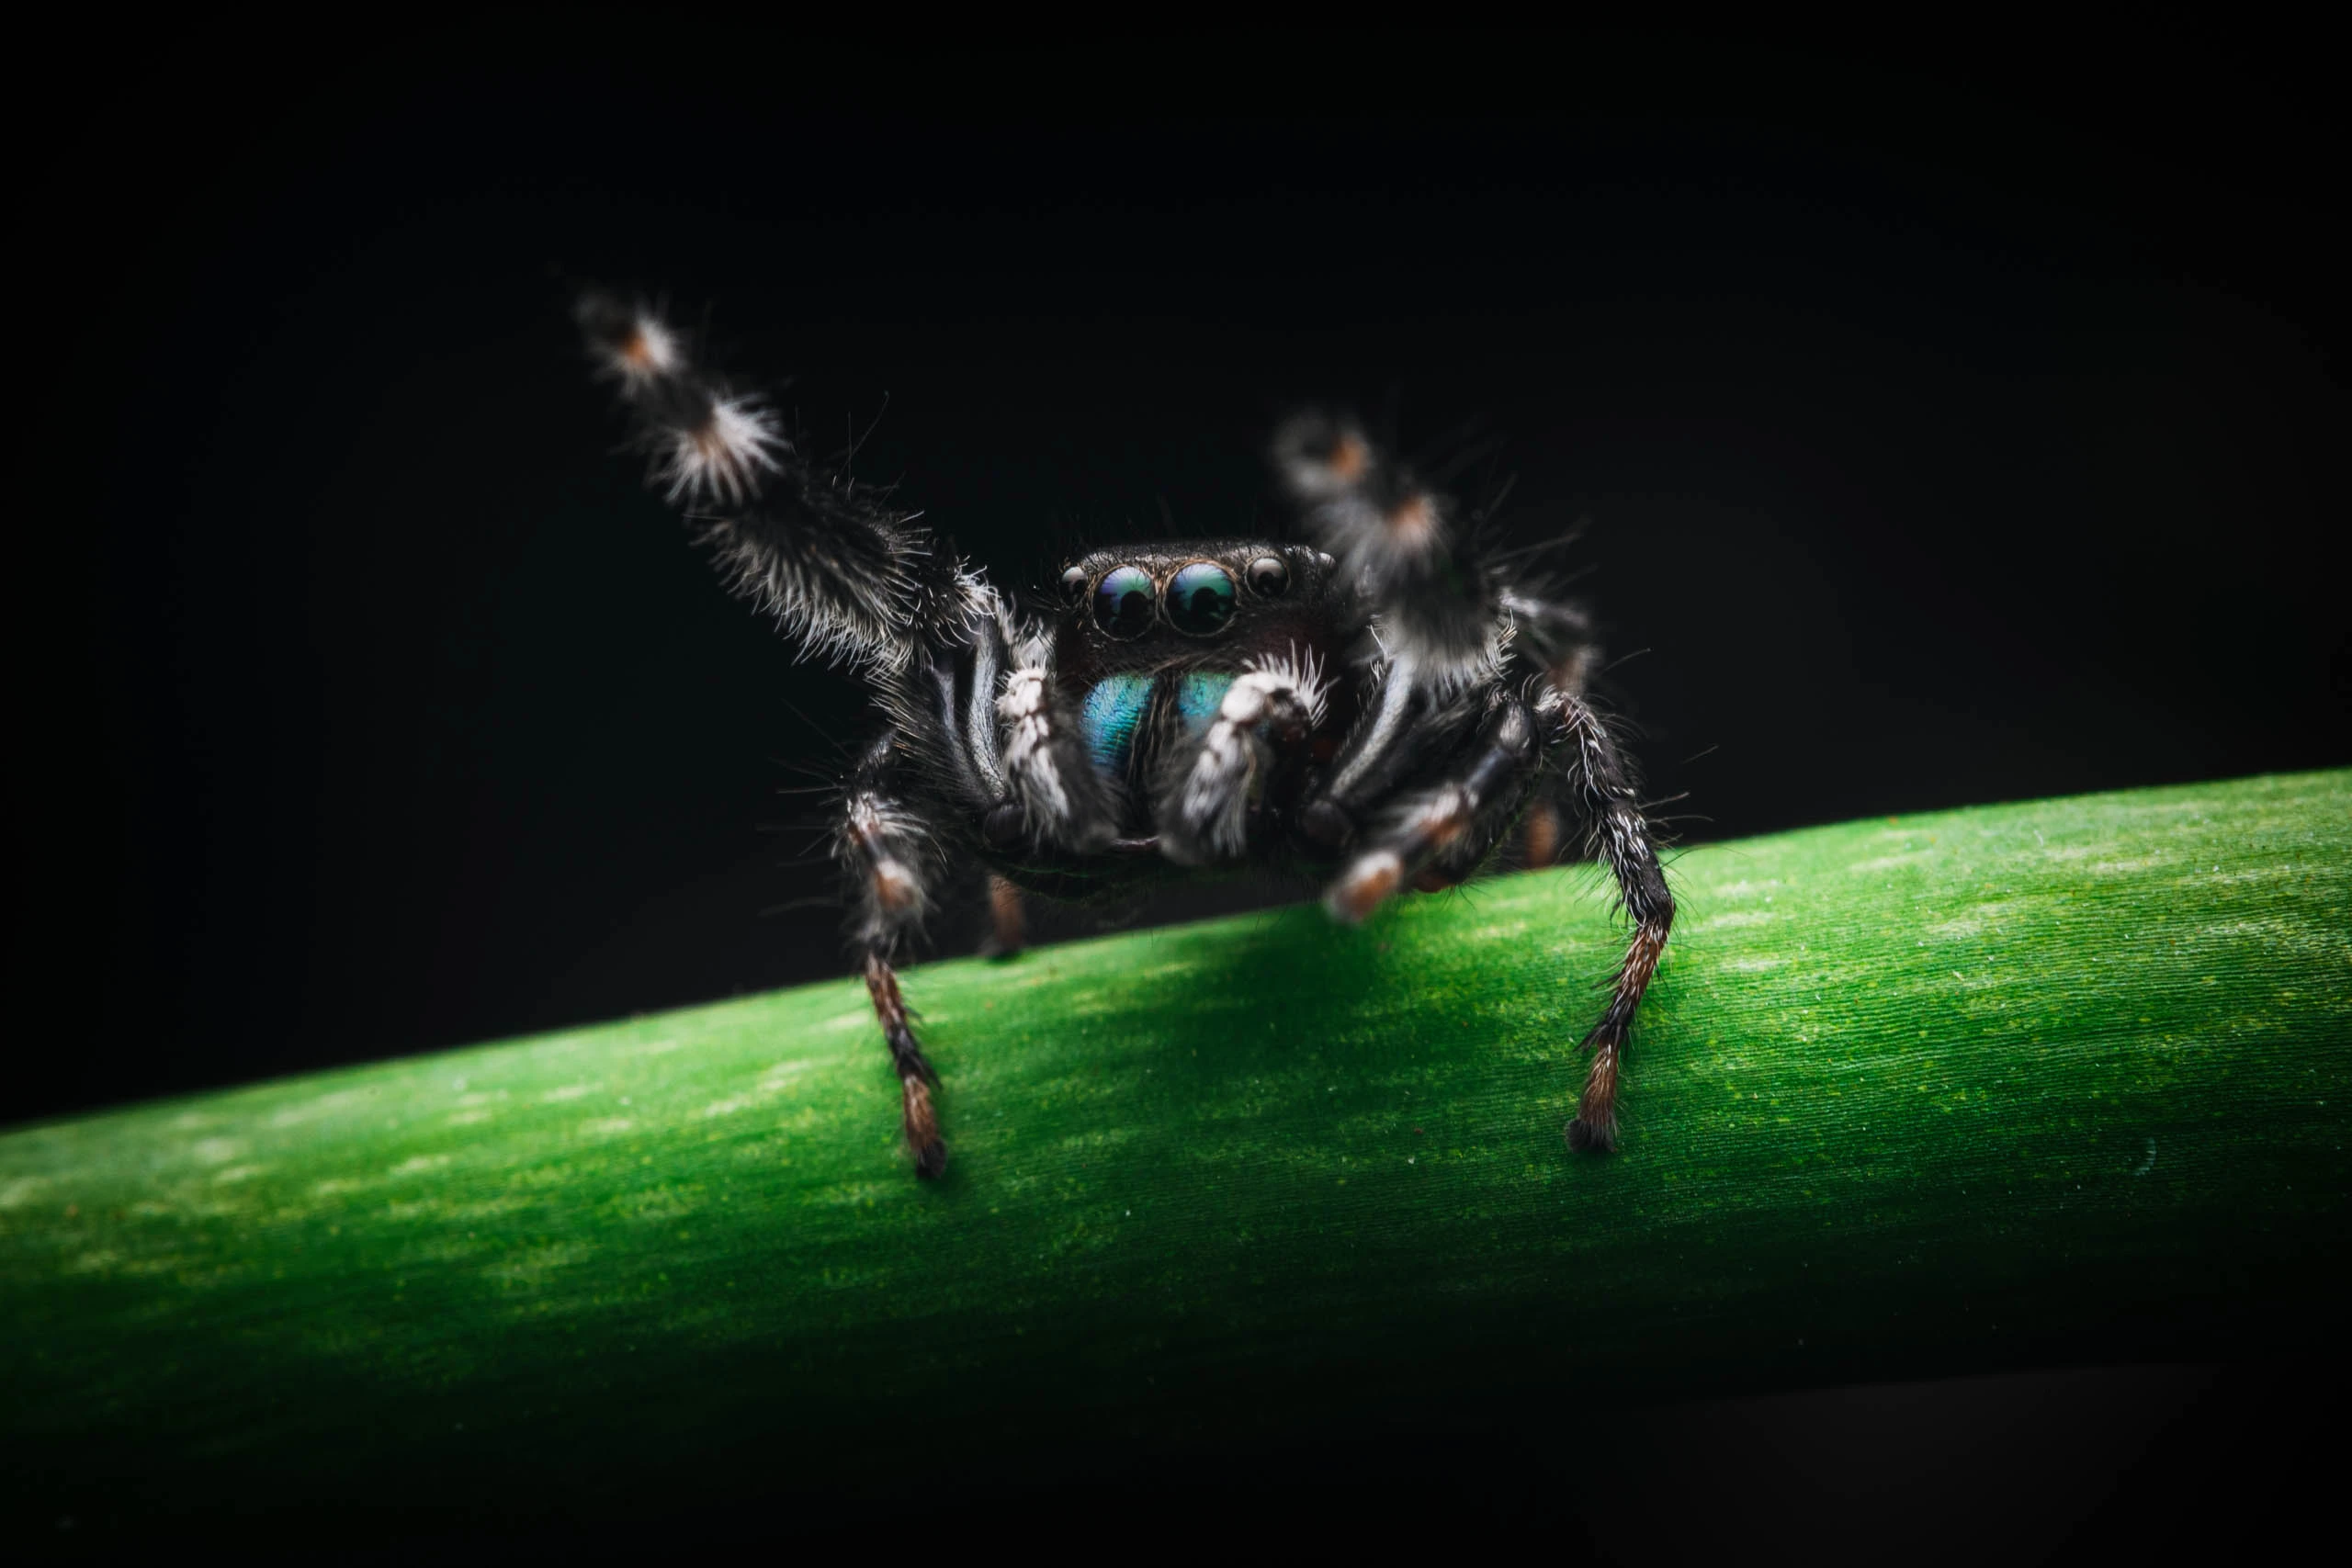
1943,425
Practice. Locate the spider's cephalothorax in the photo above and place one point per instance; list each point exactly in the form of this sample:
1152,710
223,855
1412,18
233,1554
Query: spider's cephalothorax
1374,707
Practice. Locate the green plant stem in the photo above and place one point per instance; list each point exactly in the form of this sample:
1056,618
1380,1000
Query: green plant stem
2063,1080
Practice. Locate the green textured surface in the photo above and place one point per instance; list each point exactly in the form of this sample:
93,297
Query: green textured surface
2066,1080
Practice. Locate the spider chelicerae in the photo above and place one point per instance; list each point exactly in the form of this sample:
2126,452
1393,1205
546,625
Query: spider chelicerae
1376,706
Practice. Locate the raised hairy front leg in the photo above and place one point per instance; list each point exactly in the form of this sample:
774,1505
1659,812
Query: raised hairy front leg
1403,556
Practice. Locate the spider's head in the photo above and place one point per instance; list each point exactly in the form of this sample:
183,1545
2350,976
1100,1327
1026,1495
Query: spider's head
1153,636
1208,603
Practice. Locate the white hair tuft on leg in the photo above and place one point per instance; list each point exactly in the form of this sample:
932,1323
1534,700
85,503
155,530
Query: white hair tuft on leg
642,354
724,457
846,574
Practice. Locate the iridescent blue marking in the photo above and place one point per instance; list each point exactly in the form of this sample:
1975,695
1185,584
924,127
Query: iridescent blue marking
1118,703
1198,696
1109,717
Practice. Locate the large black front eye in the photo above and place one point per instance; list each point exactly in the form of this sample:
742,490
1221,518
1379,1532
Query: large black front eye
1269,576
1123,602
1200,599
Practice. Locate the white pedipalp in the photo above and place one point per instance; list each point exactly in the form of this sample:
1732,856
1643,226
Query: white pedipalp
1227,771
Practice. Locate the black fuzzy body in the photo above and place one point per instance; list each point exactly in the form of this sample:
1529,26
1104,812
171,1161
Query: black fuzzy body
1376,708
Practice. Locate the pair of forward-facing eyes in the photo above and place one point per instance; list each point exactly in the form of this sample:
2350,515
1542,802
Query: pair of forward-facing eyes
1196,598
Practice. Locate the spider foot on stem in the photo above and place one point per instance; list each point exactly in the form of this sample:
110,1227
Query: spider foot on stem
922,1124
1594,1128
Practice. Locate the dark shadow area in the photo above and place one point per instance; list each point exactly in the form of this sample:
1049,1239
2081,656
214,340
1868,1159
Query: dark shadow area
2080,1464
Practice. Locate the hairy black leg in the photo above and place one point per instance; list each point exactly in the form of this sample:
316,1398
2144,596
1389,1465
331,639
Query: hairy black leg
1555,635
1601,786
1399,546
1376,750
1403,558
1440,833
1558,637
1052,782
960,724
1209,787
1008,930
844,573
918,1116
892,862
1540,835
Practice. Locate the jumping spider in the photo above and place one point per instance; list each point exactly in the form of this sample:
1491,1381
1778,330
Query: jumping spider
1374,706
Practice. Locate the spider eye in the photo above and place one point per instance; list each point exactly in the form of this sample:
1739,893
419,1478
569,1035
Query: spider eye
1073,585
1268,576
1123,602
1200,599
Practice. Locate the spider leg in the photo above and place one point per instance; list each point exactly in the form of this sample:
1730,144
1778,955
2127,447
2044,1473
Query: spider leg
1380,746
1008,930
1210,786
1601,785
846,574
1540,835
1438,835
1399,546
892,862
1598,787
1560,637
1056,796
1402,557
